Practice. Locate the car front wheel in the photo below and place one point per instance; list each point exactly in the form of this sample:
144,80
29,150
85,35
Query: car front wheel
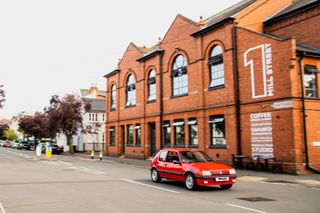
228,186
155,177
190,182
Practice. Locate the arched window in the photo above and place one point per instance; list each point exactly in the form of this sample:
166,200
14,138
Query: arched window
113,96
131,91
152,93
216,67
179,76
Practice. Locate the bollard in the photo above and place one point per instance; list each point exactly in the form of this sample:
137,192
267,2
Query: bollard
92,154
100,155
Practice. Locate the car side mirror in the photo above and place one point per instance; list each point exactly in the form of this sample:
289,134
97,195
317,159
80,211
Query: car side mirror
175,162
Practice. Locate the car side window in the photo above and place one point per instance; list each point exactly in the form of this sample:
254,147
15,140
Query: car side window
163,155
172,156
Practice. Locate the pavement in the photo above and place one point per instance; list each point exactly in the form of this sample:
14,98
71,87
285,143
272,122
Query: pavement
311,180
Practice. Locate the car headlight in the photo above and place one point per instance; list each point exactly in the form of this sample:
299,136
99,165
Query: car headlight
205,173
232,172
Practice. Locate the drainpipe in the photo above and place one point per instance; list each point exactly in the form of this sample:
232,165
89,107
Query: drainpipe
236,86
305,138
161,97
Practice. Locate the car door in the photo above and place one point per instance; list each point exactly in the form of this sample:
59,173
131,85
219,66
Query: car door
162,164
174,166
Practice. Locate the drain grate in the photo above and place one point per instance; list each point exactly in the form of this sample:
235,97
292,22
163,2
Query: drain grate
278,181
255,199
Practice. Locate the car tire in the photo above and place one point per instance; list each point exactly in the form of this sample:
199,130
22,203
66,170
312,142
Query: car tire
155,177
190,182
228,186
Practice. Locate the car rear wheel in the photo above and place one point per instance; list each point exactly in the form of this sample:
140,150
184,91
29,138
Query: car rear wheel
190,182
228,186
155,177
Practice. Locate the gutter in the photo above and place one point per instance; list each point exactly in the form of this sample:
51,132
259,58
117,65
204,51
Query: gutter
236,86
305,138
161,96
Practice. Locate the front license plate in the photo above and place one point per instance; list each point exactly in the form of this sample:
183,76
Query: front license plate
222,179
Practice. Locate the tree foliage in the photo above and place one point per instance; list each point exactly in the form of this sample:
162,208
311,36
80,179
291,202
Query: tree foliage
65,115
10,135
36,125
3,127
2,96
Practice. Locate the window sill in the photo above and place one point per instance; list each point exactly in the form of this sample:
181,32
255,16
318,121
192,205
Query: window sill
193,146
311,98
151,101
178,96
129,145
138,145
216,87
112,145
179,146
218,146
112,110
130,106
167,145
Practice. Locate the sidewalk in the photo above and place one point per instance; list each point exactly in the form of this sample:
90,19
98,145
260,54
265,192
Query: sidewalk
310,180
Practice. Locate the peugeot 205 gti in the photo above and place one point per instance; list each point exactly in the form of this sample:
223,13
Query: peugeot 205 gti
194,168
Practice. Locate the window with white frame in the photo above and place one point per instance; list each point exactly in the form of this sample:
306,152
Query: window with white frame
131,91
113,97
179,76
216,67
193,132
152,93
310,81
217,126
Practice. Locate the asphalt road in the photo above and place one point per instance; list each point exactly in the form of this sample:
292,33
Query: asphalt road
72,184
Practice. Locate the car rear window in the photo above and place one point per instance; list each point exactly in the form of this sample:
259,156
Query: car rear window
163,155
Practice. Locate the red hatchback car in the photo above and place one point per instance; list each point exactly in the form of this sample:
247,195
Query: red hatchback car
194,168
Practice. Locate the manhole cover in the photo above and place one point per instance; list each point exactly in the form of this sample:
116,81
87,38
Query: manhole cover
69,170
254,199
278,181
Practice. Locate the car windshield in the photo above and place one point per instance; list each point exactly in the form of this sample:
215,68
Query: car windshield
194,156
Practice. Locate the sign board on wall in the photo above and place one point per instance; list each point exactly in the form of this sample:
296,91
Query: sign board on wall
282,104
260,69
261,134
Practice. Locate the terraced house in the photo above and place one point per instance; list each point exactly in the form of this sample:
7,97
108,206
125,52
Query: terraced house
241,82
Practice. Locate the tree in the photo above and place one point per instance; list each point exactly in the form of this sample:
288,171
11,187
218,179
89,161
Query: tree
2,95
36,125
65,115
10,135
3,127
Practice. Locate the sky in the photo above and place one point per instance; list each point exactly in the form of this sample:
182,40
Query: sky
57,47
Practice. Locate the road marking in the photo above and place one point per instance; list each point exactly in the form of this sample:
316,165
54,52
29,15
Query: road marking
147,185
1,208
316,188
242,207
83,169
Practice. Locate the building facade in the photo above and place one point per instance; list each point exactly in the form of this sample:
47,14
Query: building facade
226,85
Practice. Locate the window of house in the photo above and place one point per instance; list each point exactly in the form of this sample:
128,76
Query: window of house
131,91
130,135
217,126
179,76
103,117
216,67
193,132
310,81
152,86
112,135
89,116
166,133
138,134
96,117
113,97
179,133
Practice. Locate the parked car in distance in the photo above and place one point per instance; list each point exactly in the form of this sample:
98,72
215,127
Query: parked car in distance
56,149
192,167
31,144
15,144
24,145
1,143
7,144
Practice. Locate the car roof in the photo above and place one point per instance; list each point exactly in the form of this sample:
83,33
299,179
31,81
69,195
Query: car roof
180,149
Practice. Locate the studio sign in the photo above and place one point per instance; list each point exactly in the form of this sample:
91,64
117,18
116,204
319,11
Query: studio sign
261,70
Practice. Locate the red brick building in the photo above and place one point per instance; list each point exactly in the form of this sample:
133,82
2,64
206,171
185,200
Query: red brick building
235,83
